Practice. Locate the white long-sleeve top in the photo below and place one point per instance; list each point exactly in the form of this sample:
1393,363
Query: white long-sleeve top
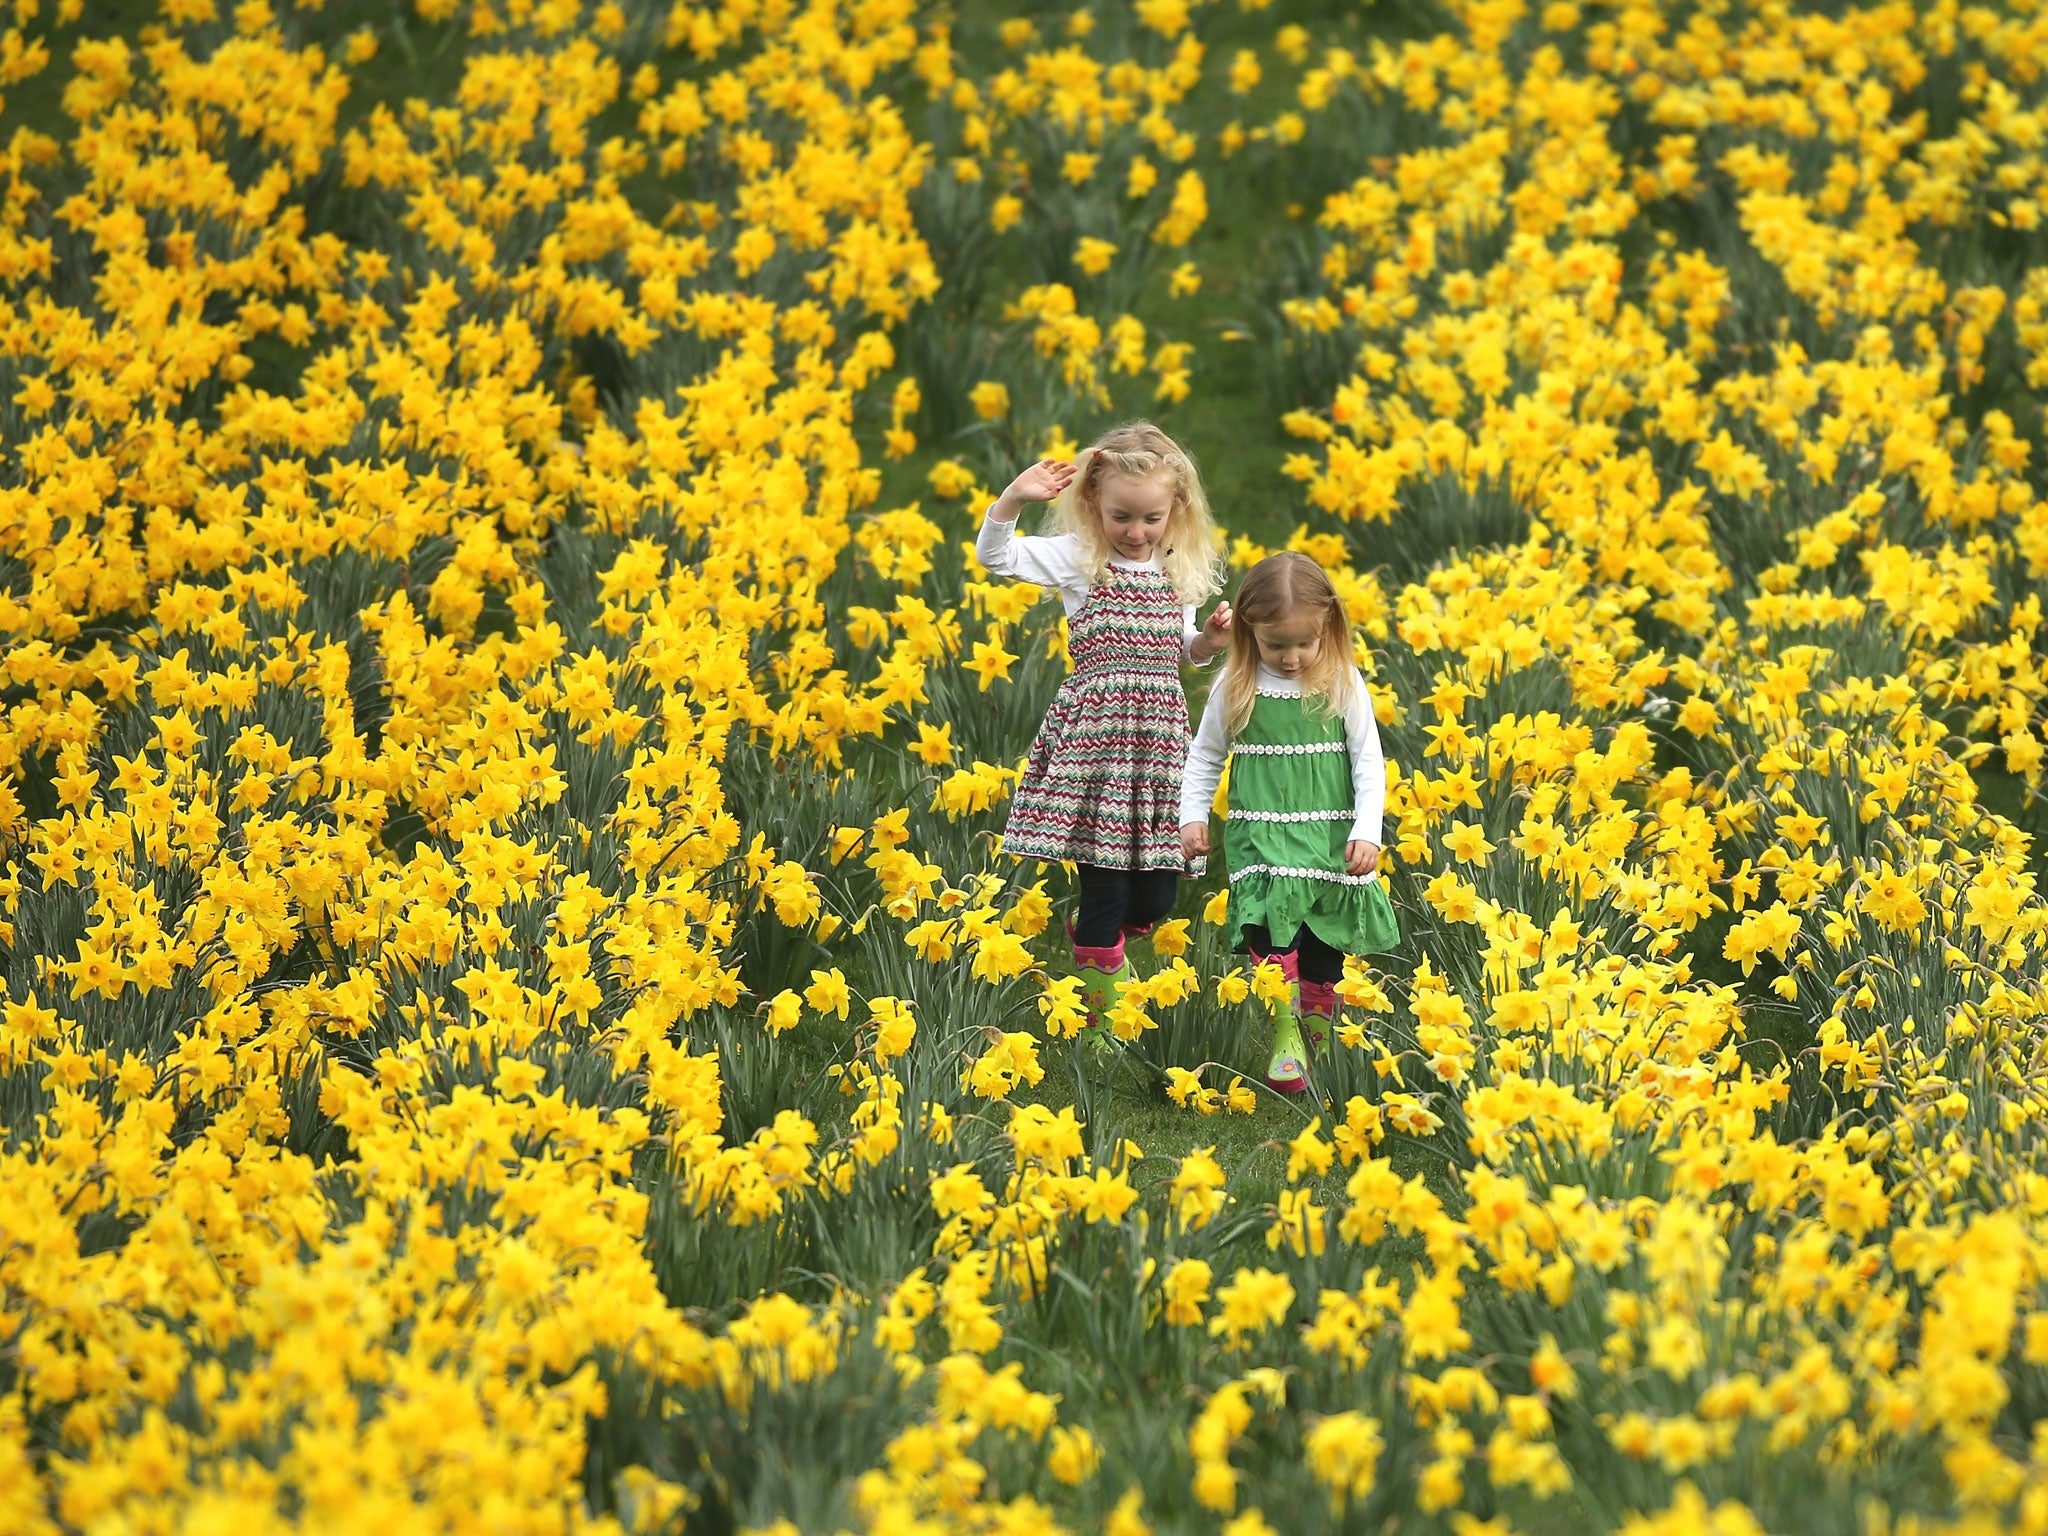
1062,564
1361,735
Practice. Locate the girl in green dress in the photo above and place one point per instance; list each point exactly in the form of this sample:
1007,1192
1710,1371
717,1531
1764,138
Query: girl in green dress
1307,789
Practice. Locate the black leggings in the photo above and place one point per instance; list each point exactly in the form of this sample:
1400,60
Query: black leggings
1318,964
1115,899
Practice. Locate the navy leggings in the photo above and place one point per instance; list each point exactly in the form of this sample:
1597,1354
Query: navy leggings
1115,899
1319,964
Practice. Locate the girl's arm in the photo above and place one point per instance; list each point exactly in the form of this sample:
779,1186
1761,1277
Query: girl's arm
1049,562
1203,643
1205,766
1005,552
1368,767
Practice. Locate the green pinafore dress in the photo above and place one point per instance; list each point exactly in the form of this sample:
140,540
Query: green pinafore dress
1289,816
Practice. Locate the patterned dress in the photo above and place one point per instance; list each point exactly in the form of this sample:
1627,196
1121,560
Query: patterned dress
1102,785
1289,817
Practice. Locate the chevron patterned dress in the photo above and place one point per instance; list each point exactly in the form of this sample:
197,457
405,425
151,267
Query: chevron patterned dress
1102,785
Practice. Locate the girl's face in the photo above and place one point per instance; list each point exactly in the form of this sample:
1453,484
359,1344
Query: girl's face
1291,643
1134,513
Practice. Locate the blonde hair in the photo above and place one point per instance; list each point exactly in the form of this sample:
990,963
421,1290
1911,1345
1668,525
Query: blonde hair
1190,556
1279,587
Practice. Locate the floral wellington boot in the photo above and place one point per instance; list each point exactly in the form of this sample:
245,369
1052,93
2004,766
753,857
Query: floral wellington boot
1101,970
1287,1072
1318,1014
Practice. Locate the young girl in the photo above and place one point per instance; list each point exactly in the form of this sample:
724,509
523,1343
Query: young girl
1307,789
1134,552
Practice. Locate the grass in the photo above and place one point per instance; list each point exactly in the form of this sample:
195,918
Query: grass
1252,1148
2008,795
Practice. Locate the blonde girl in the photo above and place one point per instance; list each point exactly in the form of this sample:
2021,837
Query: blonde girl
1307,792
1131,549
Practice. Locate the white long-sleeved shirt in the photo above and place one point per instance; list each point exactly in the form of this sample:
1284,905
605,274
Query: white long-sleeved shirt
1061,563
1361,735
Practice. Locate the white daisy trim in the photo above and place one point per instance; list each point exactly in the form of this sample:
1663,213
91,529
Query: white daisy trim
1289,749
1343,815
1334,877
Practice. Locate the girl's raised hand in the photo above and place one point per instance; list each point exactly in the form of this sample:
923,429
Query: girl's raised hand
1038,482
1214,638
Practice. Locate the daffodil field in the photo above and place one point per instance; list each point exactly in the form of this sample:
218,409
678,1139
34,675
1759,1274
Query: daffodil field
516,1018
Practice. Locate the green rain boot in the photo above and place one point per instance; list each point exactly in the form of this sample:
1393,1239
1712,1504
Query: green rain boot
1101,970
1318,1014
1287,1072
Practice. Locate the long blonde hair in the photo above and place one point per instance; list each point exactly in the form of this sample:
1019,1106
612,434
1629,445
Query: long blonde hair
1278,587
1190,554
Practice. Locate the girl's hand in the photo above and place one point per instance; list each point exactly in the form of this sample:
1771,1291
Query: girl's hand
1217,630
1194,841
1214,638
1039,482
1360,857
